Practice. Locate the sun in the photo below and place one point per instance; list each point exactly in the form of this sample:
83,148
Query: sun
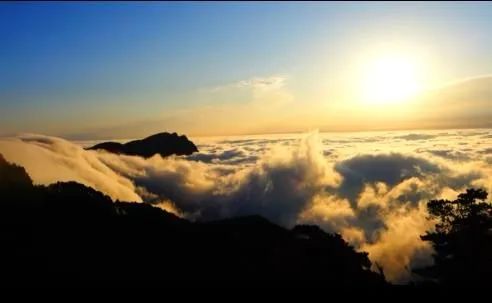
390,79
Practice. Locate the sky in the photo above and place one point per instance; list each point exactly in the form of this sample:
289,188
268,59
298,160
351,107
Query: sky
123,70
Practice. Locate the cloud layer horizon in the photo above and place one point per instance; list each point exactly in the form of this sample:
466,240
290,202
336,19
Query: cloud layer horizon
345,183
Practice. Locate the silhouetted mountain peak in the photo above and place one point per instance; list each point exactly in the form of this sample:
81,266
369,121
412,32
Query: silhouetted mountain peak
164,144
12,175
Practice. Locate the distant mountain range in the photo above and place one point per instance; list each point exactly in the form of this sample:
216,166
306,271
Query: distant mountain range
164,144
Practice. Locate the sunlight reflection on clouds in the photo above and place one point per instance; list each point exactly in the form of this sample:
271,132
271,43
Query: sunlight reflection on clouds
370,187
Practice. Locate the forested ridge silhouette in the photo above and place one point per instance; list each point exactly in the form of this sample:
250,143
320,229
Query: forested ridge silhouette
67,234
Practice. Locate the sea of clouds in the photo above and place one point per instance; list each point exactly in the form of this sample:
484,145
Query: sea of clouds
372,188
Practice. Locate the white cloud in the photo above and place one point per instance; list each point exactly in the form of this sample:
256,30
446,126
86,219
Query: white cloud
375,199
50,159
256,83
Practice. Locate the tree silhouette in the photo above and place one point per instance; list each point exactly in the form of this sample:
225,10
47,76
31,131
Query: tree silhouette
462,240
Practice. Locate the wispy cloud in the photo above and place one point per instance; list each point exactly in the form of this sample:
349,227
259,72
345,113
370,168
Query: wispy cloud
255,83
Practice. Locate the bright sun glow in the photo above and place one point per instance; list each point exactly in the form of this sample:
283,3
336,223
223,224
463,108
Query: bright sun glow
390,79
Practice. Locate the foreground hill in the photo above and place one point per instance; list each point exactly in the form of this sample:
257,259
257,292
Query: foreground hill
164,144
67,234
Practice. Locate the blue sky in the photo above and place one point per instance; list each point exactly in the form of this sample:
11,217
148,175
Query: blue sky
72,68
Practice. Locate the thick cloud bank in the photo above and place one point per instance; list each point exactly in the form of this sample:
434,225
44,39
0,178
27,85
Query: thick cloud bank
49,159
371,188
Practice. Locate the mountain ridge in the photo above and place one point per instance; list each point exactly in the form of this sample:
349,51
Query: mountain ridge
68,234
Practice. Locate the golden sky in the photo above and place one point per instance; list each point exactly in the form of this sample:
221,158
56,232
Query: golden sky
123,71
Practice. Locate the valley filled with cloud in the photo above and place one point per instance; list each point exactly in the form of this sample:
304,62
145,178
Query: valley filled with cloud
372,188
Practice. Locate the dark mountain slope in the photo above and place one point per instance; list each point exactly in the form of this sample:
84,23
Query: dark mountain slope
67,234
